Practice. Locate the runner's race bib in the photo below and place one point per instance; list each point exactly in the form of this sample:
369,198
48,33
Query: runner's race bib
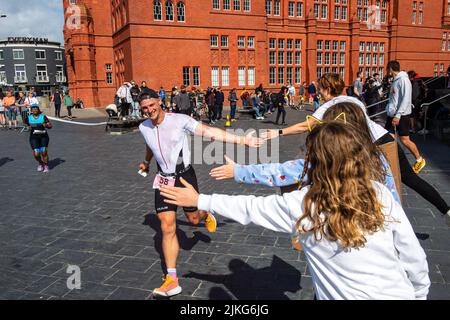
161,181
39,132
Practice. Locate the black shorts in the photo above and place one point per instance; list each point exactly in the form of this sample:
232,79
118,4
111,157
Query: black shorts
39,142
402,128
191,178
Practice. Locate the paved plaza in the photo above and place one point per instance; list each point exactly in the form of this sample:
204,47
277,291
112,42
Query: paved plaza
94,211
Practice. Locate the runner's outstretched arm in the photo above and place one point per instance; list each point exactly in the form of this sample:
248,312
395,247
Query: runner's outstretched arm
271,212
221,135
280,174
294,129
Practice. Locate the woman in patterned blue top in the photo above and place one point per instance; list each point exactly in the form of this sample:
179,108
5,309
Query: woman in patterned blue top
290,172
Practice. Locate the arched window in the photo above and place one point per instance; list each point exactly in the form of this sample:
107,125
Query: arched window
180,12
157,10
169,10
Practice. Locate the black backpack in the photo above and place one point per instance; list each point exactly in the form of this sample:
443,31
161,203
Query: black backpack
350,91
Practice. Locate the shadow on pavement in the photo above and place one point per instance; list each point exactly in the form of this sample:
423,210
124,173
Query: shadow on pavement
422,236
185,242
246,282
4,161
55,162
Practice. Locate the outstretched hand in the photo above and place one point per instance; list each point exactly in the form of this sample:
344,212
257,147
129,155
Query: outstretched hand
269,134
182,197
224,172
253,141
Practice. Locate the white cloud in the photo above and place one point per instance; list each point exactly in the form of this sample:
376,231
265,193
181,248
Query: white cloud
32,18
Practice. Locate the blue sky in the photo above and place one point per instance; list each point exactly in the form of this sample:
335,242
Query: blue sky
32,18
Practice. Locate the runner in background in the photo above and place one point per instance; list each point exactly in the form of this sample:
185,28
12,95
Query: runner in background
39,138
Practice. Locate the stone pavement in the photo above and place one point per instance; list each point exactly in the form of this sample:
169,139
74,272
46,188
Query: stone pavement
94,211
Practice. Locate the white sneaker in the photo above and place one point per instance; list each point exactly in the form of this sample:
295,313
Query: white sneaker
423,132
40,168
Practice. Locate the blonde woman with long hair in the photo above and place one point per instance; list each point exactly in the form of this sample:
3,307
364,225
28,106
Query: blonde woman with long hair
357,239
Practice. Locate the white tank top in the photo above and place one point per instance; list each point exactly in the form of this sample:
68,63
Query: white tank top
168,139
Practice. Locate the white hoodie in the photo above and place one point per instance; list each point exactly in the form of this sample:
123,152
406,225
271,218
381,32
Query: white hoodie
391,265
400,96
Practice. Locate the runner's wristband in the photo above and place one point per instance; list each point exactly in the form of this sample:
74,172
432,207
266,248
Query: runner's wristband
146,162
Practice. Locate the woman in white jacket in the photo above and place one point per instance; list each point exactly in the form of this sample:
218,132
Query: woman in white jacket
357,239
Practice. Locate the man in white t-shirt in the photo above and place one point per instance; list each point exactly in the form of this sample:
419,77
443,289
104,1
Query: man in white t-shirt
166,140
31,100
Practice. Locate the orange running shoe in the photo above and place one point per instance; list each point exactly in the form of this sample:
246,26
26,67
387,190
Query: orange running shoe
169,288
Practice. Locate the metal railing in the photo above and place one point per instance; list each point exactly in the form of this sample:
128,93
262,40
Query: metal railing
427,105
425,82
385,100
375,104
434,79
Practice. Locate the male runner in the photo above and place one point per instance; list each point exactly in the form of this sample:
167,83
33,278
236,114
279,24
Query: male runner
166,139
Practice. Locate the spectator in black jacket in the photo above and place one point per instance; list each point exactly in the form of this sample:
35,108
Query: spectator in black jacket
219,98
418,92
259,89
209,98
280,104
371,97
144,88
182,102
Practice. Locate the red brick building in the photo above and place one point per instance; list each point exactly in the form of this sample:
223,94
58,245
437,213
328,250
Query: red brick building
242,43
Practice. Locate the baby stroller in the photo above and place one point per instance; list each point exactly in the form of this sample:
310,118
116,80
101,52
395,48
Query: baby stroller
200,110
112,112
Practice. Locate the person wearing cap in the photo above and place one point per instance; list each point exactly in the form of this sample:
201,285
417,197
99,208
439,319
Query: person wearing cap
39,139
166,137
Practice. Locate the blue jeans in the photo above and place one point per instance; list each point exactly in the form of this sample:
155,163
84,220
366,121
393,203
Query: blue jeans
136,112
256,110
233,111
11,114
